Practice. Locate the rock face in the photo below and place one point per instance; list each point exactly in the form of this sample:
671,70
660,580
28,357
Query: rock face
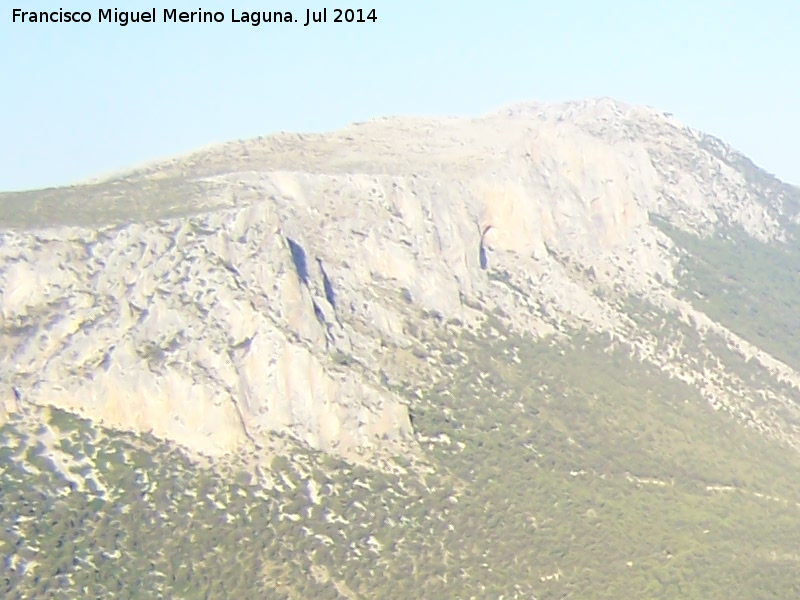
202,330
270,286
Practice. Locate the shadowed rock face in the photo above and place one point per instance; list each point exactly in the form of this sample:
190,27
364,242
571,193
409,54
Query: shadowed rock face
201,325
330,295
299,260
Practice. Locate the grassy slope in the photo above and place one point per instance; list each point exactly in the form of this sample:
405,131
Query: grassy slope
106,203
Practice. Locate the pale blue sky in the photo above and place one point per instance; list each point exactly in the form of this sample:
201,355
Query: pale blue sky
78,101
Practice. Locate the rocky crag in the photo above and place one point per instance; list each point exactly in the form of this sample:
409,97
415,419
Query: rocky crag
283,286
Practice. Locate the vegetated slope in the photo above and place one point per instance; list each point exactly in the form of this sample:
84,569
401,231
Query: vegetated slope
749,286
550,468
543,353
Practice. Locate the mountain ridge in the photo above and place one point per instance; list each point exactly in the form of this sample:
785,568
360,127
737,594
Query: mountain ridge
532,354
573,185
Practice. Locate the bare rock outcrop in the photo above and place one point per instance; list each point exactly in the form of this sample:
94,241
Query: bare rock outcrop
270,307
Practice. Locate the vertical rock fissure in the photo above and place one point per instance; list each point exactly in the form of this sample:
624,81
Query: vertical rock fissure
299,260
330,296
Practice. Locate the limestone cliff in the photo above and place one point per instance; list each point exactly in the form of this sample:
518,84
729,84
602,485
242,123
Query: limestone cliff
272,285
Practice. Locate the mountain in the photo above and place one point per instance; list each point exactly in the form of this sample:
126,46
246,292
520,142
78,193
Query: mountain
547,352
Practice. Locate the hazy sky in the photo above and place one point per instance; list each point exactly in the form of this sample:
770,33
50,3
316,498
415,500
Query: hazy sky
81,100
